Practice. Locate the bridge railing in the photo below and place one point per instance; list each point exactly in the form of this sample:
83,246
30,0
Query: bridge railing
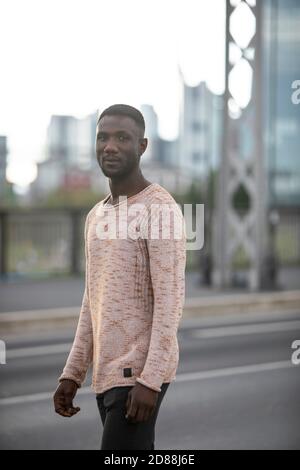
45,242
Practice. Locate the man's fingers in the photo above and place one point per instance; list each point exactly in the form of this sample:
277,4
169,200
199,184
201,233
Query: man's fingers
63,399
131,413
59,400
132,410
147,415
140,417
128,403
67,411
62,412
61,403
73,411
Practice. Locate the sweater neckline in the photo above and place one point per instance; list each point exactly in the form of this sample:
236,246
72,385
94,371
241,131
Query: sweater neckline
129,199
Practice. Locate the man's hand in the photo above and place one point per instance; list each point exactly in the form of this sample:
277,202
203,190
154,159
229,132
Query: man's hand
63,398
140,404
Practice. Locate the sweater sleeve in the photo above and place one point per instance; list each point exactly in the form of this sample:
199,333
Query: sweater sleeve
167,259
81,353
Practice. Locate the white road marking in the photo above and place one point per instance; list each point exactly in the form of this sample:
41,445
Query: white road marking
237,330
238,370
203,333
38,351
203,375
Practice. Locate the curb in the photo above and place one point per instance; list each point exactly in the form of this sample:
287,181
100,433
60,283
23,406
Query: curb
242,303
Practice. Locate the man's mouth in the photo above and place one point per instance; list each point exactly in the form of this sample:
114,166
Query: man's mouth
111,162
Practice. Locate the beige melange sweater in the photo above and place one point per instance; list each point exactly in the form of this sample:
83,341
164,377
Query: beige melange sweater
134,293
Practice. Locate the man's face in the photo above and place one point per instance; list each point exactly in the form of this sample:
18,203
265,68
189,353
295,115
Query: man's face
119,145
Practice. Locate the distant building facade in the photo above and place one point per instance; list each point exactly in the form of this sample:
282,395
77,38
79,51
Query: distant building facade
199,130
3,164
71,162
281,37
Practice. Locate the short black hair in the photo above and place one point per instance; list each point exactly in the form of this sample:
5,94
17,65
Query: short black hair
125,110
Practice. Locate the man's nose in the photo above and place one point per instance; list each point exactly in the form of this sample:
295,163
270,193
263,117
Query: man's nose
110,146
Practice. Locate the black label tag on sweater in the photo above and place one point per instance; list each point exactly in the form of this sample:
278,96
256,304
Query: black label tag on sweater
127,372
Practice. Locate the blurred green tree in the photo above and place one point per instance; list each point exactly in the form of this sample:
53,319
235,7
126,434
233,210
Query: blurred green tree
71,198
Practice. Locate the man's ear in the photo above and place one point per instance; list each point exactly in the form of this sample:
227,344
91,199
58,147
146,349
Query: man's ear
143,144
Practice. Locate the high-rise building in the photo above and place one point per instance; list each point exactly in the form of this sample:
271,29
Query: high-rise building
71,160
199,130
72,140
151,121
3,164
281,37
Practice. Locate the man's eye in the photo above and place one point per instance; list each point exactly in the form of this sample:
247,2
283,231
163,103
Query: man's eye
122,138
101,138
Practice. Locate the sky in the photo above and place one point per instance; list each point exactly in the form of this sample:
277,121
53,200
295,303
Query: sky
77,57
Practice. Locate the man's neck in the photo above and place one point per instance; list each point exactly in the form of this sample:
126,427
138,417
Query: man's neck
129,186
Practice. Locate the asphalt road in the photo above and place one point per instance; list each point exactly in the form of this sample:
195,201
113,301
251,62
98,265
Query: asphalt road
236,388
29,294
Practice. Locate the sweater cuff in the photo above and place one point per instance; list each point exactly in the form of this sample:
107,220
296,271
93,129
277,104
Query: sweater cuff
152,387
70,377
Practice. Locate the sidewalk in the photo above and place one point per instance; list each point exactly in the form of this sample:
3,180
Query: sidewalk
53,305
22,295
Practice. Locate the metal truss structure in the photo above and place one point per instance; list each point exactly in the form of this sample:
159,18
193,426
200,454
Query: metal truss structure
242,167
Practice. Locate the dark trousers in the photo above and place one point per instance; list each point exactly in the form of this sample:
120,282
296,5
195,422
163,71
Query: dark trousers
118,433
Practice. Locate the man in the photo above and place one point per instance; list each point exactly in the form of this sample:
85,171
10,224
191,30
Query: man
134,292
